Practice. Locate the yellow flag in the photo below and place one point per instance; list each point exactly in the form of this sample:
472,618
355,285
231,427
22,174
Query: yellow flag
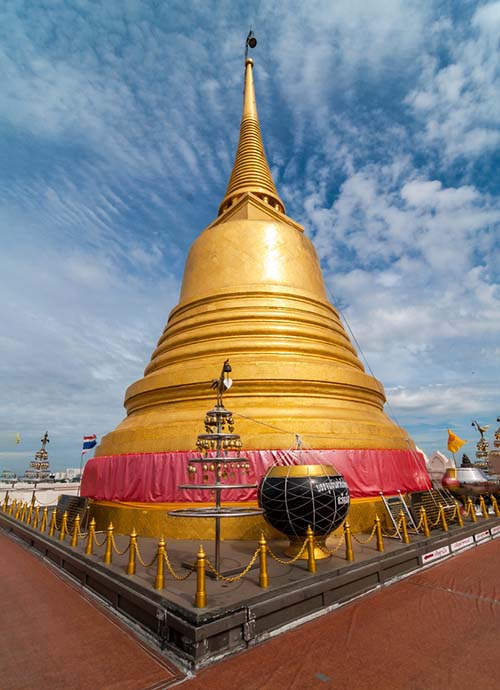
18,438
454,442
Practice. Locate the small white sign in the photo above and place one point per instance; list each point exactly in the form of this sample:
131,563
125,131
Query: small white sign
495,532
482,536
462,544
434,555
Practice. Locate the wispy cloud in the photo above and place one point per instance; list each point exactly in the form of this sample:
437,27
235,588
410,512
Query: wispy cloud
118,127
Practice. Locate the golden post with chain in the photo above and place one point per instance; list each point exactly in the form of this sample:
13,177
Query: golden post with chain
263,576
378,532
36,517
494,503
484,509
349,553
76,531
131,552
108,554
53,523
64,526
200,599
460,521
404,528
311,560
160,565
43,524
442,517
472,510
90,538
425,523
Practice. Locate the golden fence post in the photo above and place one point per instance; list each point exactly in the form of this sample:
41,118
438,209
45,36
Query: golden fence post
64,526
404,528
29,514
160,565
90,538
108,554
263,576
425,523
460,521
484,509
43,524
378,532
131,552
76,531
24,509
12,506
472,510
19,510
494,503
349,553
200,599
444,524
53,523
311,560
5,503
36,517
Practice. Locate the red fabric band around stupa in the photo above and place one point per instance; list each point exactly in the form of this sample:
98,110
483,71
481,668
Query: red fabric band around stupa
155,477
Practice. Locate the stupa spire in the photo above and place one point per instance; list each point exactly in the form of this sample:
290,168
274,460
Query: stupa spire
251,171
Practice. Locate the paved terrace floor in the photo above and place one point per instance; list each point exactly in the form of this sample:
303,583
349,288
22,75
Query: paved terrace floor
437,629
53,638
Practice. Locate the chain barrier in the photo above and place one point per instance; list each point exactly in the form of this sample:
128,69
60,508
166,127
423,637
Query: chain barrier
437,521
281,561
364,541
179,578
139,558
235,578
98,543
337,546
396,532
420,524
116,549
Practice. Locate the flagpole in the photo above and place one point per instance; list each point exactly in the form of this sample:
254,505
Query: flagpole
81,468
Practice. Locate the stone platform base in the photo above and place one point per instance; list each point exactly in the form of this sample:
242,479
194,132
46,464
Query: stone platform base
241,614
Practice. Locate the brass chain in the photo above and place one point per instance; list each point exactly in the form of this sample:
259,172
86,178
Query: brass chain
117,550
364,541
180,578
282,561
333,551
396,532
235,578
436,523
139,558
97,543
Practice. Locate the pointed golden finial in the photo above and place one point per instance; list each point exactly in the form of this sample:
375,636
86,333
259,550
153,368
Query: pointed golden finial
251,171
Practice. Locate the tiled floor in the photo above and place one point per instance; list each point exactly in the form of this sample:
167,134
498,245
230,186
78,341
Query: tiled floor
54,638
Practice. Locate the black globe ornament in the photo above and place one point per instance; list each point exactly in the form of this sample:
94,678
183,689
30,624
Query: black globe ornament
296,496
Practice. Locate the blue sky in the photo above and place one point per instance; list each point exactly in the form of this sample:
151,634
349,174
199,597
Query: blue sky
118,127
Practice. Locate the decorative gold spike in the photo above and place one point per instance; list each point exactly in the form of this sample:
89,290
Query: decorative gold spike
251,171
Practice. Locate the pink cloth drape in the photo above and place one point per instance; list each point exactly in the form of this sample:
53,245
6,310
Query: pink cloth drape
155,477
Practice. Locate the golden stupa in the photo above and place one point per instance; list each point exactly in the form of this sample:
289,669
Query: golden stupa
253,292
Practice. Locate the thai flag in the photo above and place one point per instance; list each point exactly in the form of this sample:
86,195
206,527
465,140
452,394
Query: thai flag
88,443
